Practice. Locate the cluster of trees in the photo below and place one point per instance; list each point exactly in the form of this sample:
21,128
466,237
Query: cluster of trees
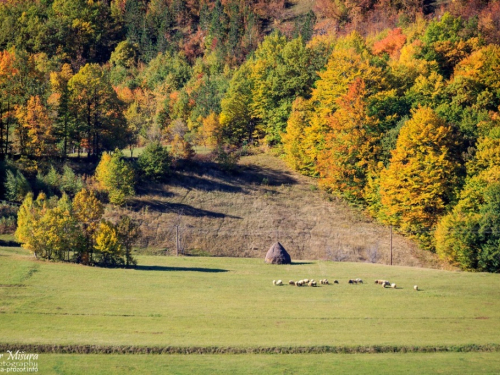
406,124
74,231
87,77
401,120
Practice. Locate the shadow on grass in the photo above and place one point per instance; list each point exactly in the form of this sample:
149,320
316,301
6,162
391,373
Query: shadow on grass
179,208
4,243
189,269
300,263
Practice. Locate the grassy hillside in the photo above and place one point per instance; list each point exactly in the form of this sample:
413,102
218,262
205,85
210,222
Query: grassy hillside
243,212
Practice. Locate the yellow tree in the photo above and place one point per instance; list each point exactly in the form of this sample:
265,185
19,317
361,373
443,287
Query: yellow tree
351,145
97,111
343,68
115,177
26,216
419,181
107,244
211,132
181,149
35,130
293,139
88,210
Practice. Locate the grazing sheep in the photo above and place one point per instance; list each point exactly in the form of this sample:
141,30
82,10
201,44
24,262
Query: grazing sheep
313,283
335,281
386,283
415,287
291,282
359,281
351,281
306,281
299,283
393,285
274,282
324,282
380,281
279,282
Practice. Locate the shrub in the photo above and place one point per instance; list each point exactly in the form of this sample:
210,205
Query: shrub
154,163
227,159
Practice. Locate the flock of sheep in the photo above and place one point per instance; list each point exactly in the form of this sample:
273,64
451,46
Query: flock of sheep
312,282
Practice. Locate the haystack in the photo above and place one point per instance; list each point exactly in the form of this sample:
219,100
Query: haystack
278,255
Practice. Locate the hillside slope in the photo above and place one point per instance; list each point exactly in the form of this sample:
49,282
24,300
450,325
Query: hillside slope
242,213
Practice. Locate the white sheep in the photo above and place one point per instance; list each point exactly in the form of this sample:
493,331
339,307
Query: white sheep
393,285
312,283
359,281
306,281
279,282
415,287
274,282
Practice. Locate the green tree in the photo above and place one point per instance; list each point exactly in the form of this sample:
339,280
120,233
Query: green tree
281,71
238,123
16,186
154,162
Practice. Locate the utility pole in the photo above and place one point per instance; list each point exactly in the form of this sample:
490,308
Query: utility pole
391,245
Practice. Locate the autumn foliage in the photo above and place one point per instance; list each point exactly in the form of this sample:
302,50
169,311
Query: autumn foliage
393,105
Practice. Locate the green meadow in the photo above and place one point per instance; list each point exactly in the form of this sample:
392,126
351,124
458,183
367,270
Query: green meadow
231,304
339,364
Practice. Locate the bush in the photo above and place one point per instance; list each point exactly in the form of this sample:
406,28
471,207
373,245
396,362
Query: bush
227,159
154,163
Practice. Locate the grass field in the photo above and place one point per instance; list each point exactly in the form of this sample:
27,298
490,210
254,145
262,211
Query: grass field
230,303
415,363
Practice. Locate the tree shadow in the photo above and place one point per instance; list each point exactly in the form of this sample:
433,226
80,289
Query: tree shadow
189,269
208,184
180,208
9,243
206,175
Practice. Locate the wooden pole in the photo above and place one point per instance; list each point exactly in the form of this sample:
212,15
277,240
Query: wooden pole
177,240
391,245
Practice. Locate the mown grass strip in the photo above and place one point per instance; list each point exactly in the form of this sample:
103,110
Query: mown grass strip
121,349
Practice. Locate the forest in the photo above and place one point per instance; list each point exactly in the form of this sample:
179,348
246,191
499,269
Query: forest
393,105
